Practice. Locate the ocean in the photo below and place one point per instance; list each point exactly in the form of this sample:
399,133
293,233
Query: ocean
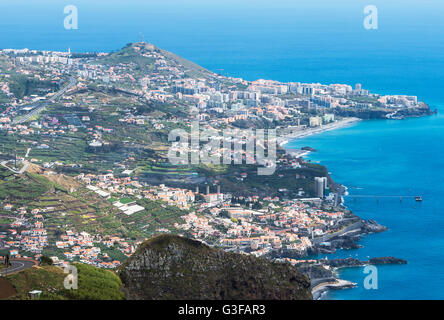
321,41
390,157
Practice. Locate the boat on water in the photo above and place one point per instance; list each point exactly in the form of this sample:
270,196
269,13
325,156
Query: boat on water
418,198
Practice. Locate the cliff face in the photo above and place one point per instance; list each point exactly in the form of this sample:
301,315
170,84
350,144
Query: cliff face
172,267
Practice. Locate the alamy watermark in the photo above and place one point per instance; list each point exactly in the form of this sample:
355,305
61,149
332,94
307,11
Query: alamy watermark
232,147
71,21
371,281
371,17
72,279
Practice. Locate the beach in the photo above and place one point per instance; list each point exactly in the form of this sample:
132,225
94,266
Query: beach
309,131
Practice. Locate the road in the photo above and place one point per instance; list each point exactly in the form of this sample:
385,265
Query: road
40,106
319,281
23,169
17,266
329,283
327,237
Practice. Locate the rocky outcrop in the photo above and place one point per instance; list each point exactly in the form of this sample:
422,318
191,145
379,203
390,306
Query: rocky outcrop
339,263
383,113
422,110
348,238
172,267
371,226
387,260
309,149
352,262
315,271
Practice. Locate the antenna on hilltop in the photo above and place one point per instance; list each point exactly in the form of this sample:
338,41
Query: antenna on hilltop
142,37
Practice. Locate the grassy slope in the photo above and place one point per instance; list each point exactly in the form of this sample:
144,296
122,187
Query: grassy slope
23,187
128,55
81,210
93,284
194,69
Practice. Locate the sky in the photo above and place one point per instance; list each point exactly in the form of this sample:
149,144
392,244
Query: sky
286,40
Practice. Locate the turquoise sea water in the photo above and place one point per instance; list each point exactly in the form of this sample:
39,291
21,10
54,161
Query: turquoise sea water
390,157
317,41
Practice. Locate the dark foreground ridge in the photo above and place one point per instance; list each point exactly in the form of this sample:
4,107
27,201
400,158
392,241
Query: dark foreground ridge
173,267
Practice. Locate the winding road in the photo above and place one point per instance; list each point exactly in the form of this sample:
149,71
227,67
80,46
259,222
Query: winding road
17,266
23,169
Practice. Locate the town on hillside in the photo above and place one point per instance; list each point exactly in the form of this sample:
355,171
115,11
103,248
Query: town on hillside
85,172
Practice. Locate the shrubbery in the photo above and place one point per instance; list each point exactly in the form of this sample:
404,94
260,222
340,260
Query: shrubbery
95,284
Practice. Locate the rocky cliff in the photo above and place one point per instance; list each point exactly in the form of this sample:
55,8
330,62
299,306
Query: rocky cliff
352,262
172,267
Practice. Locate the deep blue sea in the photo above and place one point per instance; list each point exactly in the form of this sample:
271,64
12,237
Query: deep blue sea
317,41
389,157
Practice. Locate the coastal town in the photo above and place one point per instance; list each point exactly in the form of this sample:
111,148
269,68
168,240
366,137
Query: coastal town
85,169
259,226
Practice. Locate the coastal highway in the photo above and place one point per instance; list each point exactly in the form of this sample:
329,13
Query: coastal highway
321,285
17,266
37,108
317,282
351,228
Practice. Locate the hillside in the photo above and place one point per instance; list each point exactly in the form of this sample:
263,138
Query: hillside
141,55
192,68
24,187
173,267
55,204
93,284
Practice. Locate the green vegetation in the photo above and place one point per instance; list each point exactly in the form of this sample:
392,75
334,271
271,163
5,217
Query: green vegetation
126,200
22,86
6,220
47,279
96,284
93,284
156,215
82,210
364,99
24,188
230,179
129,55
46,261
169,267
113,252
194,70
167,169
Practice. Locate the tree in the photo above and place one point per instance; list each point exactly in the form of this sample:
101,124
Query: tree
257,205
44,260
224,214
